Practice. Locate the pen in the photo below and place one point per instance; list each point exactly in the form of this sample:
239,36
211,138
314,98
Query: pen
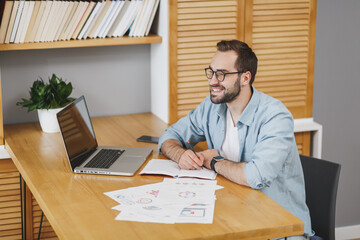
191,148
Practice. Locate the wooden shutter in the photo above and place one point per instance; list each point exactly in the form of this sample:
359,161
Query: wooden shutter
282,34
195,28
47,232
10,202
303,140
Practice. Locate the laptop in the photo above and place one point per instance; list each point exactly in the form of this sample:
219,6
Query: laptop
83,152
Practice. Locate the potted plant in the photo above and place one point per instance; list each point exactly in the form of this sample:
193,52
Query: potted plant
48,99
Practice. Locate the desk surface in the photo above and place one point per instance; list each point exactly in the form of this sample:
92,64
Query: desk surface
77,208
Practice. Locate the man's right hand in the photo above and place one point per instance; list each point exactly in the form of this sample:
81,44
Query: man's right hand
190,161
186,159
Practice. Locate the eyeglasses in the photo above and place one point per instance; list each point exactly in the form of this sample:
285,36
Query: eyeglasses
219,74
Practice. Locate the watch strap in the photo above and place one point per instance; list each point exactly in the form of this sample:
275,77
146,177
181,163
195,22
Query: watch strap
214,161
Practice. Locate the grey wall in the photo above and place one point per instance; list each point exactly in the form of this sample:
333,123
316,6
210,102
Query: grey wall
337,99
114,80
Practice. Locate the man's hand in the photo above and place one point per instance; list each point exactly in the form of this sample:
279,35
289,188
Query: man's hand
208,155
186,159
189,160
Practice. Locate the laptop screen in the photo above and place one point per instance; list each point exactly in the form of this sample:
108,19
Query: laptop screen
77,131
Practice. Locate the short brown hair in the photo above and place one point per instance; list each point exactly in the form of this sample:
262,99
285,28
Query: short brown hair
246,61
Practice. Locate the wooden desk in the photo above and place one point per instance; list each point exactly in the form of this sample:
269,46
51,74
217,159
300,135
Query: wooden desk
77,208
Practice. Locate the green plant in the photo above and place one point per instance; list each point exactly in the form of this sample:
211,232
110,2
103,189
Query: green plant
54,94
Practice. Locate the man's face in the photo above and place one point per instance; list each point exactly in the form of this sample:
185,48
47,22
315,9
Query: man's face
227,90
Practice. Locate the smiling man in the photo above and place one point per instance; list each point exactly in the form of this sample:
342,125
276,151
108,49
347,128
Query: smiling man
250,135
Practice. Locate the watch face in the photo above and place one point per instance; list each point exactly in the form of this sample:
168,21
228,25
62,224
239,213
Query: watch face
218,157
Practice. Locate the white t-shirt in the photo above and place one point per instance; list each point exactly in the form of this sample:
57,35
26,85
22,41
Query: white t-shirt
230,147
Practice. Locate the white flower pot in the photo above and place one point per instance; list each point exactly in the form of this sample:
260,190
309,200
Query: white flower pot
48,120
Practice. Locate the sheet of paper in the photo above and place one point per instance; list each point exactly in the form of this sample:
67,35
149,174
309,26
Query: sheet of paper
180,200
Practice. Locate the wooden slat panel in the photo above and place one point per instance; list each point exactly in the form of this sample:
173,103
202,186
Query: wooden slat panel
9,180
204,38
280,78
280,6
192,90
215,26
274,29
262,24
194,56
282,61
194,4
282,67
280,83
8,175
10,210
9,186
278,1
193,95
10,204
206,21
193,61
207,32
283,56
205,10
11,234
10,226
10,221
303,140
47,232
279,34
10,192
280,17
193,84
208,43
280,38
219,14
10,215
278,11
199,67
198,32
10,198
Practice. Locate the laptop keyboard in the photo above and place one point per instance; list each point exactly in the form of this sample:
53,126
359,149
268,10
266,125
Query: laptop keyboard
104,158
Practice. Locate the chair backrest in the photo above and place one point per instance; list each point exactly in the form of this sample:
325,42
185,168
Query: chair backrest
321,184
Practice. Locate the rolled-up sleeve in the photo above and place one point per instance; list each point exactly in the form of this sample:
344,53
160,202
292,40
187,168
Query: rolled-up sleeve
274,144
189,128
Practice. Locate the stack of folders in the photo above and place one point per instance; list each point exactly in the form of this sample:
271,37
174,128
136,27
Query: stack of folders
24,21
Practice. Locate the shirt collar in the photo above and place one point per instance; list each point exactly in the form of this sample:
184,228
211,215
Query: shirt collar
248,114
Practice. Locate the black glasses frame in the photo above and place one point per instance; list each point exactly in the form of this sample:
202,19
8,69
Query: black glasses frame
218,75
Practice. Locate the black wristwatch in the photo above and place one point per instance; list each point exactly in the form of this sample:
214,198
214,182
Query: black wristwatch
214,161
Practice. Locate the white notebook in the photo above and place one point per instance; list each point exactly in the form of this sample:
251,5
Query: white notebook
171,168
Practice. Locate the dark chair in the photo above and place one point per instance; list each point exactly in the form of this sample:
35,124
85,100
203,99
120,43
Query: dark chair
321,184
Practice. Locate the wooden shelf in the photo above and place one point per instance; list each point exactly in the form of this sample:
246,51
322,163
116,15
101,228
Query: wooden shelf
152,38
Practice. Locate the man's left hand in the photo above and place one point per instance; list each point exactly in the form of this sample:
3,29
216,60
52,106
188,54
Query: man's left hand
208,156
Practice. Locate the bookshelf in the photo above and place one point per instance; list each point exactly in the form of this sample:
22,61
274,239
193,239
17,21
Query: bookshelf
12,220
10,205
126,40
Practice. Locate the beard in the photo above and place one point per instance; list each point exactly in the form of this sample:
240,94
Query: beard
228,94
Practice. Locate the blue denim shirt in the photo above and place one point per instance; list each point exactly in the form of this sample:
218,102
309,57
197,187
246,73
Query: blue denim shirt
267,144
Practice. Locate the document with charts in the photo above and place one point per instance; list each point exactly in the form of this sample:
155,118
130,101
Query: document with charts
172,201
